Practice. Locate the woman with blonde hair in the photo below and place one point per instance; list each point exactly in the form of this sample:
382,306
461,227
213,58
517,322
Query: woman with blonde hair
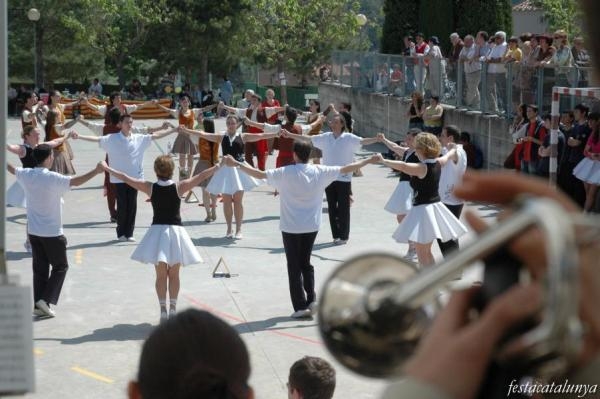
428,219
166,244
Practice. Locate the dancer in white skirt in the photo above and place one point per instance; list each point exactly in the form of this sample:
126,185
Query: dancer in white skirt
588,169
401,200
166,244
227,180
428,218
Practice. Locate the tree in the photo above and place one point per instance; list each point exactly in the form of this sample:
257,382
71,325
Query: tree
401,18
436,18
488,15
562,14
59,37
297,35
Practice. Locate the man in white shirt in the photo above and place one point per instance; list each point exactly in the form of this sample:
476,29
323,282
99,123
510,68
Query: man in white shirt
43,192
454,166
496,73
472,68
301,188
95,89
338,148
126,153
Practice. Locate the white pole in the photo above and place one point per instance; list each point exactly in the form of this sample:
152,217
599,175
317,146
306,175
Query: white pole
3,130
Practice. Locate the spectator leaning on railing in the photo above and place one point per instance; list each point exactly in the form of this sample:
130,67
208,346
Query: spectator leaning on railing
496,73
472,70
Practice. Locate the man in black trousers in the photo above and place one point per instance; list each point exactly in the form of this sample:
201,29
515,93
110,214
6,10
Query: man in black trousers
301,187
43,191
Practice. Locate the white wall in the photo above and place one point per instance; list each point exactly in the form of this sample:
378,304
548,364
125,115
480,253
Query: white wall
529,21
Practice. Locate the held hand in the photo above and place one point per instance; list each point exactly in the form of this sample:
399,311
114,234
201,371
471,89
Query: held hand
101,167
74,135
181,129
155,102
451,146
380,137
166,125
229,161
376,158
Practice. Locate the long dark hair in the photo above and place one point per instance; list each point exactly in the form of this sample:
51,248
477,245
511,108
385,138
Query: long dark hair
51,119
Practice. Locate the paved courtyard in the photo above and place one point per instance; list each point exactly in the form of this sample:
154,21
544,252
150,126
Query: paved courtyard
108,304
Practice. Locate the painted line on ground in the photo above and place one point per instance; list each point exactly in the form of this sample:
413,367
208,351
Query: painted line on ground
79,256
91,374
38,352
239,320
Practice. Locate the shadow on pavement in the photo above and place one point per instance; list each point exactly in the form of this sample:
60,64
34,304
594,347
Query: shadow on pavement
118,332
267,324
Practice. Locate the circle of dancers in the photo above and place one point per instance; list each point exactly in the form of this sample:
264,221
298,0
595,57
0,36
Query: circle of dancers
423,202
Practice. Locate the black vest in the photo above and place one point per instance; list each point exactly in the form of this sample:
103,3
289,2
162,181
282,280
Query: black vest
425,190
28,161
235,149
412,158
165,204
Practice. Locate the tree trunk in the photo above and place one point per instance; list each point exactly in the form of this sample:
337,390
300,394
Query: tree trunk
39,55
282,82
120,70
203,75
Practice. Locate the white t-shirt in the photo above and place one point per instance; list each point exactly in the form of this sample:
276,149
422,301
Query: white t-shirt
301,188
98,129
43,190
126,154
337,151
451,176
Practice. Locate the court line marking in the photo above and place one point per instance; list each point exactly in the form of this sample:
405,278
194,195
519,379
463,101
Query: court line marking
91,374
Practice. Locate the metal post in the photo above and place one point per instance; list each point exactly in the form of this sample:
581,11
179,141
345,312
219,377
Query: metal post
4,129
459,83
35,70
553,166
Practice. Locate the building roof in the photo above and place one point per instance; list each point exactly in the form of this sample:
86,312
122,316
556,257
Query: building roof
527,5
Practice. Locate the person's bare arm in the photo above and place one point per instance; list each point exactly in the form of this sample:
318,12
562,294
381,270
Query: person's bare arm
244,167
212,137
413,169
252,137
77,136
160,135
450,156
79,180
140,185
10,168
187,184
352,167
17,149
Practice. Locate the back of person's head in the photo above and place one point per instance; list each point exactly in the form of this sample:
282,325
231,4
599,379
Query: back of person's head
290,114
453,131
112,96
193,355
347,120
41,153
114,115
347,106
547,117
302,150
465,137
312,378
584,109
208,125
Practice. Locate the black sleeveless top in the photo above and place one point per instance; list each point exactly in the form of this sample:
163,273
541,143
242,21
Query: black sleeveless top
412,158
28,161
165,204
425,190
235,148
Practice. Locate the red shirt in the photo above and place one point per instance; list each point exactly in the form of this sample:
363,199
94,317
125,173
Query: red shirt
527,146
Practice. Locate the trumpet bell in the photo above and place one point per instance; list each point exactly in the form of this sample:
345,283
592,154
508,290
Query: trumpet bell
360,325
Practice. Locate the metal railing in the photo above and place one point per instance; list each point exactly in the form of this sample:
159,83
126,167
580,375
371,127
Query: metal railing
484,91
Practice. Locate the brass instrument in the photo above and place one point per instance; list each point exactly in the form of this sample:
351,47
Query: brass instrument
375,308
